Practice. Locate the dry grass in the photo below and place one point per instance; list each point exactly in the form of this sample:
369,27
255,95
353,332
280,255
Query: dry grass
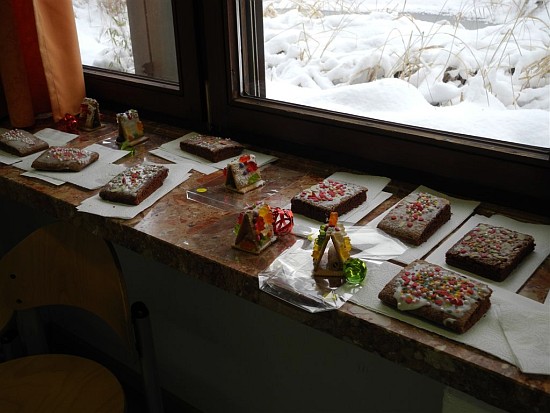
418,45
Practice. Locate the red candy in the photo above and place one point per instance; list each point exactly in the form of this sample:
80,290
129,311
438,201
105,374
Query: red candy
283,221
67,124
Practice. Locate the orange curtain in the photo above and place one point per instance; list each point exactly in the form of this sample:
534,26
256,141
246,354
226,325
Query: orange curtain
40,62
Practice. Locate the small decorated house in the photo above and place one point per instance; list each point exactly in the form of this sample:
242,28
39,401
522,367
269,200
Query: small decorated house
330,262
242,175
254,229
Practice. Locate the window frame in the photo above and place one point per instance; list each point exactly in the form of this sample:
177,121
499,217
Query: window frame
505,173
181,102
210,99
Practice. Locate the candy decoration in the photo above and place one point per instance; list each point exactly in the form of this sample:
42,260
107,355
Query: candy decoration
326,191
355,270
89,117
242,175
337,253
434,286
67,124
254,228
333,219
283,221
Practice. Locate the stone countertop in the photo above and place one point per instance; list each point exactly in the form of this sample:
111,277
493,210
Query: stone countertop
196,238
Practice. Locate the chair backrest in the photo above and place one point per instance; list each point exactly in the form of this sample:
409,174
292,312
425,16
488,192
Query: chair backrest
60,264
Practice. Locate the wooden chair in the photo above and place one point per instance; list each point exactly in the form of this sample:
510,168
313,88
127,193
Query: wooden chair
63,265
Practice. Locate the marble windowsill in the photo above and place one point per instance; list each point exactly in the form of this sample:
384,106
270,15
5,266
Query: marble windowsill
196,238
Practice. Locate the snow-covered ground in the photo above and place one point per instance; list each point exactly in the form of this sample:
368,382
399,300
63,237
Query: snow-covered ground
477,67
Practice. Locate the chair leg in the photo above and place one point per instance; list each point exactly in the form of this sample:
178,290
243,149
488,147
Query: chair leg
31,330
11,345
146,350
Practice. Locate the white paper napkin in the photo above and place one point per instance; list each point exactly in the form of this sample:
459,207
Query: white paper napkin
52,136
306,227
487,334
92,177
370,244
460,210
55,137
528,334
173,148
8,158
95,205
197,166
527,266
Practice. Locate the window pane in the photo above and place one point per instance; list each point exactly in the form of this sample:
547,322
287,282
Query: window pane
135,37
479,68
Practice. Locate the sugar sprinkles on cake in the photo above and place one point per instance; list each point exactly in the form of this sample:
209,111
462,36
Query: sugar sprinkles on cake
329,195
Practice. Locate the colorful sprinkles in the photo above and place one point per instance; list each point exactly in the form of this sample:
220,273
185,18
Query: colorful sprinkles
417,210
211,142
427,284
65,154
327,190
131,180
490,242
18,136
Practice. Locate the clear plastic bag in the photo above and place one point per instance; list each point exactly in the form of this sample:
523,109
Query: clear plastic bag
290,276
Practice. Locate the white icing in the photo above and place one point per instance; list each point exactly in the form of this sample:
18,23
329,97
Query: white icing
329,193
423,284
133,179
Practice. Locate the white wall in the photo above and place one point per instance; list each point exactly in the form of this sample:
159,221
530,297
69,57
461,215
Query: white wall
220,352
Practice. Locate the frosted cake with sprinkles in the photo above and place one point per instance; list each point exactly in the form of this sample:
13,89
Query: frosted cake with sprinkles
441,296
329,195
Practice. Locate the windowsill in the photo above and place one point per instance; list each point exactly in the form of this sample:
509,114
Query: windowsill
503,174
142,81
194,238
508,150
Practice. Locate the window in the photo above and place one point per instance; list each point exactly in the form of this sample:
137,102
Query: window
475,68
225,87
134,37
131,52
455,162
